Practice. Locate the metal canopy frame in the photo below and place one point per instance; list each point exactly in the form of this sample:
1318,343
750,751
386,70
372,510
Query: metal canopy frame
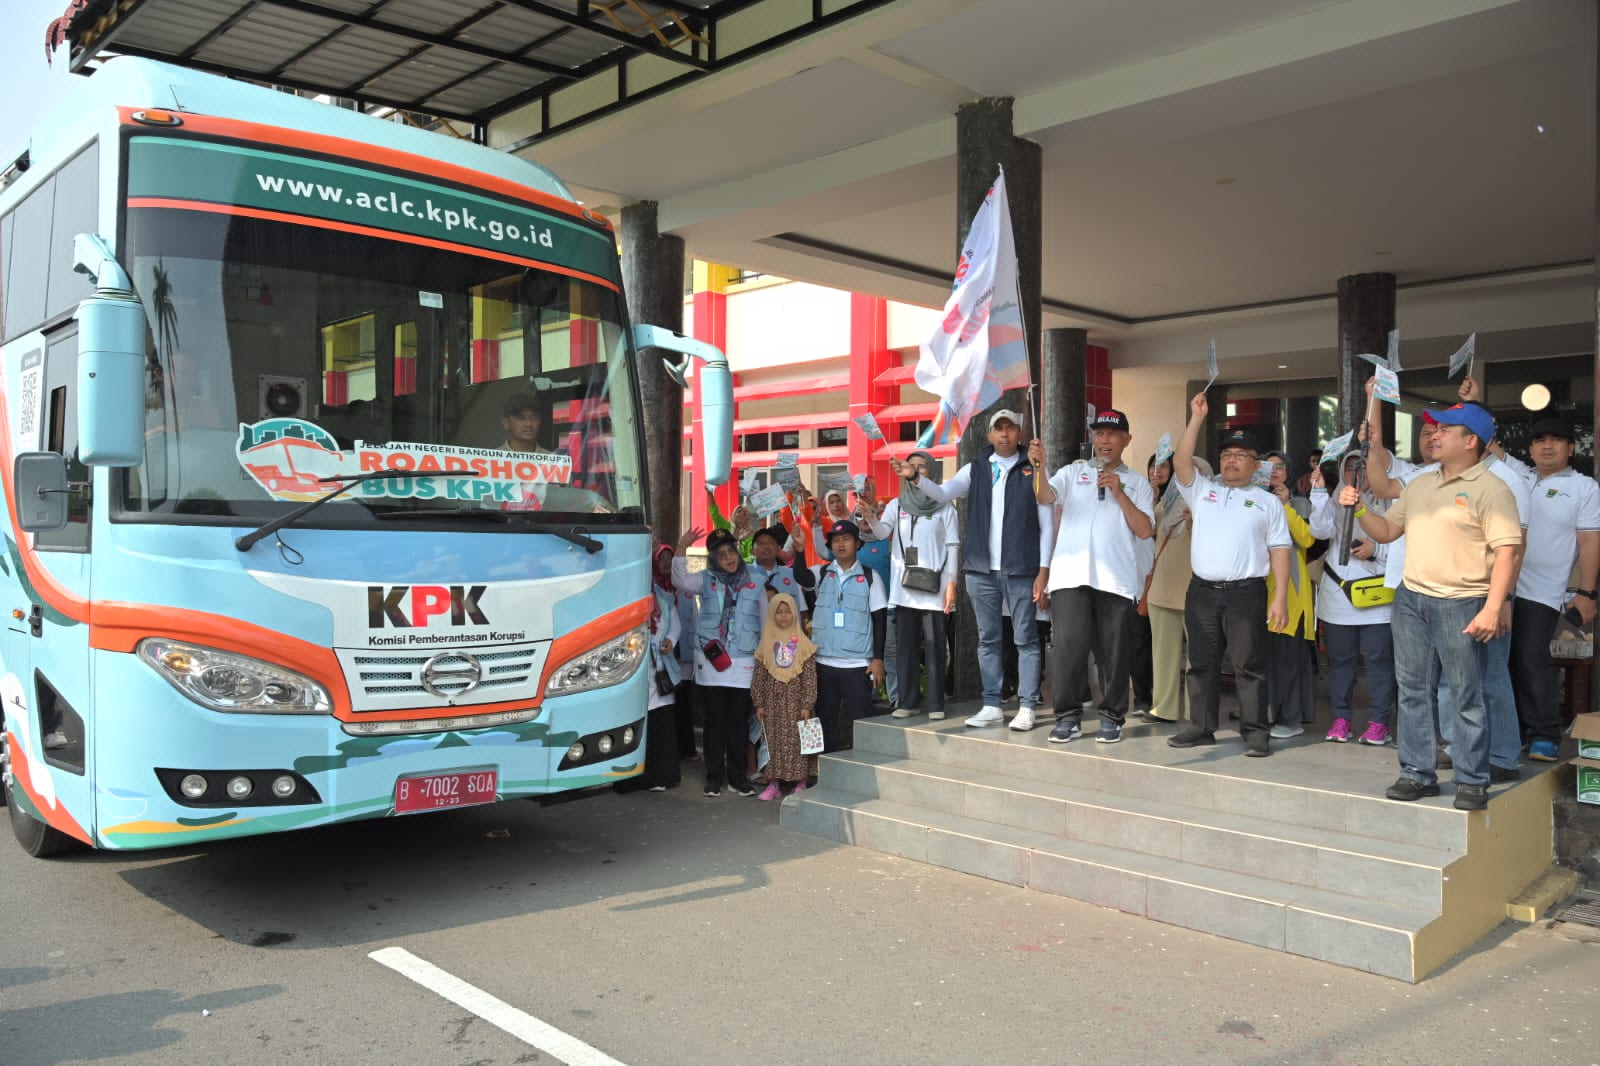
467,61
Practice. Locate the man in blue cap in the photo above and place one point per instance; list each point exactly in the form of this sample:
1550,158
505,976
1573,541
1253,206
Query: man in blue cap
1453,599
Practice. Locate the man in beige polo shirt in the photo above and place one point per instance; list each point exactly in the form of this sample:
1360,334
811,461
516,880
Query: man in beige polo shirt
1455,597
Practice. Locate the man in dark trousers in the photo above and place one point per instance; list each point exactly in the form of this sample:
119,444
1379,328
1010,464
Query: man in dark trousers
1240,535
848,626
1096,575
1006,559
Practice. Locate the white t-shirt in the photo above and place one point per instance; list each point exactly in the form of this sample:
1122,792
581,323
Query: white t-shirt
937,541
1560,507
1094,546
1406,473
1327,523
1234,529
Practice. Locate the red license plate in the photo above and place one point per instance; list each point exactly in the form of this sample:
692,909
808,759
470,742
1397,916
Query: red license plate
437,792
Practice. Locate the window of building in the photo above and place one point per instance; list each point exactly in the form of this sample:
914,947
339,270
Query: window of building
833,436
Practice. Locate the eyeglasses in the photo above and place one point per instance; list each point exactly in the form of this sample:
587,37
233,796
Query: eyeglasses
1236,454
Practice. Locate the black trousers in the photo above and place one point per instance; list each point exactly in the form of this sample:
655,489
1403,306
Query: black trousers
1085,620
920,637
1235,614
727,734
1533,672
1143,661
661,765
844,693
683,717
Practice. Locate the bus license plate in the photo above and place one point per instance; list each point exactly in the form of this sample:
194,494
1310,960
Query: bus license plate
437,792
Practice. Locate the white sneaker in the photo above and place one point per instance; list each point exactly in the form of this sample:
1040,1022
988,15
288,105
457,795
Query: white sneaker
986,717
936,716
1023,721
903,712
1284,732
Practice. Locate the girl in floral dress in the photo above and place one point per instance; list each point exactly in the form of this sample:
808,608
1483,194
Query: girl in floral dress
784,690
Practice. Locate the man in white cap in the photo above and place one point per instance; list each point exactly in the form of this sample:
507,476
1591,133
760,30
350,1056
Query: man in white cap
1096,575
1008,539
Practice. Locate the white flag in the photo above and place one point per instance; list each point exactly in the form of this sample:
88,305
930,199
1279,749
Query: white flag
1464,356
980,348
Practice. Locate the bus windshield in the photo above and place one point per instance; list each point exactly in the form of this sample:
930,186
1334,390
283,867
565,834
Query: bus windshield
283,354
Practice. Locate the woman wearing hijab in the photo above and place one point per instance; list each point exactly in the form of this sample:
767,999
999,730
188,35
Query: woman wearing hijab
1291,695
661,769
784,691
1164,599
923,536
732,602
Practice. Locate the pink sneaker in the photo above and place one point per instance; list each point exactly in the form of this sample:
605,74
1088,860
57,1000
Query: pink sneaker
1339,733
1377,735
771,792
801,787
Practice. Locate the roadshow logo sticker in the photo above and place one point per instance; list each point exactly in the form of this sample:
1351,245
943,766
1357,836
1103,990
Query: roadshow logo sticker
298,461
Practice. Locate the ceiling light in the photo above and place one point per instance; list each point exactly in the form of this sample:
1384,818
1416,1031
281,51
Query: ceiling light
1535,397
1538,127
1283,366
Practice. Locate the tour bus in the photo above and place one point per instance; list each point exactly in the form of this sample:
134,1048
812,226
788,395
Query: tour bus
277,554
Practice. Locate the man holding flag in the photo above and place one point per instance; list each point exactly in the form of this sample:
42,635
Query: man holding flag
979,351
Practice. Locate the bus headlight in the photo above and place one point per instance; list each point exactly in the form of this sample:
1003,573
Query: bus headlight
236,684
611,663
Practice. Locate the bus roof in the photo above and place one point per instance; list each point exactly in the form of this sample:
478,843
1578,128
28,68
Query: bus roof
128,81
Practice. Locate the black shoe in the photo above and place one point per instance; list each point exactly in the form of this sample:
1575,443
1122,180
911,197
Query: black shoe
1501,775
742,790
1409,788
1191,738
1472,797
1256,751
1444,762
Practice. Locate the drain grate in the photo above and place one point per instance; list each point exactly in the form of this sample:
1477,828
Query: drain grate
1586,912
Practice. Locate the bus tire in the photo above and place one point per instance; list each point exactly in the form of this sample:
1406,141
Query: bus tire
37,839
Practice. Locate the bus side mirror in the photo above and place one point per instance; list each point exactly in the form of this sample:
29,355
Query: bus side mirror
39,480
111,361
715,382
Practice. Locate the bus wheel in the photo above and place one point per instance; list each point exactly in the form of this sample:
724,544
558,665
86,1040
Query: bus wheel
37,839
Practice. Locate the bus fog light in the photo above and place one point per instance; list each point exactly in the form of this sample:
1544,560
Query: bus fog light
576,752
240,787
627,737
603,745
193,786
283,787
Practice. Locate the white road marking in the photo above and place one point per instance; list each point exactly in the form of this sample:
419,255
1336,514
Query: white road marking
525,1027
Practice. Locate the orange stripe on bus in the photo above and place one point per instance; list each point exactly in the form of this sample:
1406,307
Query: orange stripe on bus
341,149
365,231
52,591
55,817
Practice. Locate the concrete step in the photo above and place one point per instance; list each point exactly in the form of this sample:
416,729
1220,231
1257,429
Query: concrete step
1201,779
1351,930
1259,844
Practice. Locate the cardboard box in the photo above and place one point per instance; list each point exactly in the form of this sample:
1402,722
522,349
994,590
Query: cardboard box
1586,731
1588,783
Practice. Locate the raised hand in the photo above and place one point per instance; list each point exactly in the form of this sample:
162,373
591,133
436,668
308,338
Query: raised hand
1200,407
690,536
1036,452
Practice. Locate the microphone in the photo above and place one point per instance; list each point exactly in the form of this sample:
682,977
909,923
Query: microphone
1099,465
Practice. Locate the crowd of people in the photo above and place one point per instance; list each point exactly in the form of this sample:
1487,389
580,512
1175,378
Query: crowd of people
1155,585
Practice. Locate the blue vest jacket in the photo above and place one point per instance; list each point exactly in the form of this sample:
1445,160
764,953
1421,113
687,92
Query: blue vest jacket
1019,541
853,596
749,612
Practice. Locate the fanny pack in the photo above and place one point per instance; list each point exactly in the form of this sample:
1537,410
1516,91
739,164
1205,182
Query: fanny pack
1362,592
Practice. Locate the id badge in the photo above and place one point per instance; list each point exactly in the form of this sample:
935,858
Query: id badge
838,619
911,555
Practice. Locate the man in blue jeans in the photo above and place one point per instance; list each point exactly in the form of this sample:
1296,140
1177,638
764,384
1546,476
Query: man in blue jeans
1453,599
1008,542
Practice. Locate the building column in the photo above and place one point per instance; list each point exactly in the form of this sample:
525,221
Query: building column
984,143
711,325
869,358
1064,395
1366,315
652,278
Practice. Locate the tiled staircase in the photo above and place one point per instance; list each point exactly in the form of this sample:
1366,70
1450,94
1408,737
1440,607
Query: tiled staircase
1211,843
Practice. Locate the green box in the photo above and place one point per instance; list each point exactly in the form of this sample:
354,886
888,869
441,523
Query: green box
1589,749
1589,784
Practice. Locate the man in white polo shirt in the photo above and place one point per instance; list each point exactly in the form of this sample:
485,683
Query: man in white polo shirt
1240,536
1096,576
1563,530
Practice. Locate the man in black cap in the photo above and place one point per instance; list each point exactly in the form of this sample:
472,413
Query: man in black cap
1563,531
1097,574
848,626
765,548
1240,536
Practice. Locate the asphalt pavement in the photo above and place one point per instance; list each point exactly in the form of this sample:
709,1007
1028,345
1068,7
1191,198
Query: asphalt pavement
664,929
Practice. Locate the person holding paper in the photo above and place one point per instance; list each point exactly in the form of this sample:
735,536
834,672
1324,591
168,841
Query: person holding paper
1097,574
765,547
926,546
1291,697
1166,593
1453,600
784,692
1240,536
1008,541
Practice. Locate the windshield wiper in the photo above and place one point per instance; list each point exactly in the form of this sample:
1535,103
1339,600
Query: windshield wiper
266,529
571,536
